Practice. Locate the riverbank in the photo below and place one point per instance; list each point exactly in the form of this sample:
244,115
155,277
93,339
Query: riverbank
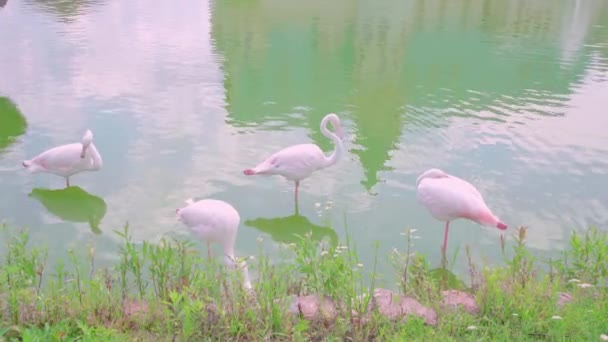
173,292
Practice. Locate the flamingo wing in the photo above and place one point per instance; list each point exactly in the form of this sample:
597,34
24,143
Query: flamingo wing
211,219
293,162
61,159
449,198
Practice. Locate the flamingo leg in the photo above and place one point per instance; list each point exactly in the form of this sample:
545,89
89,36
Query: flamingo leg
208,250
445,242
296,193
67,182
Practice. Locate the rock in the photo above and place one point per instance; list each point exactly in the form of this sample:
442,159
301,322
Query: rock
314,308
410,306
395,307
563,298
131,307
454,299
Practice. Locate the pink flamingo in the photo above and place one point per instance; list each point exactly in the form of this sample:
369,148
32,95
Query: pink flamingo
448,198
300,161
67,160
215,221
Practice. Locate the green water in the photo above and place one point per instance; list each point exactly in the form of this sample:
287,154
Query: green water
182,96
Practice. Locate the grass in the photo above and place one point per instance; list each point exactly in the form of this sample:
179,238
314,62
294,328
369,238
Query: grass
171,292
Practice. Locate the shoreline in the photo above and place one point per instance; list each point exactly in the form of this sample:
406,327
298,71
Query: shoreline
170,291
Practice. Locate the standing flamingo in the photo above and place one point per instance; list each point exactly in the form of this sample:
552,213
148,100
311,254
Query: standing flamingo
214,221
67,160
297,162
448,198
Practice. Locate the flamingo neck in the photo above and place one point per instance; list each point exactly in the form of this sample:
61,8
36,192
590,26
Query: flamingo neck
232,262
97,161
338,145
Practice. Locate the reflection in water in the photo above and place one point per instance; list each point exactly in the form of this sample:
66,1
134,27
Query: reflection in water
405,66
489,89
287,229
73,204
3,3
12,122
66,10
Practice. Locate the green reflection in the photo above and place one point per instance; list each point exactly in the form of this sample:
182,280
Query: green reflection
12,122
409,63
73,204
66,11
286,229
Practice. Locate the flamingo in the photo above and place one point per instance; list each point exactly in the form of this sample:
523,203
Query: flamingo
214,221
298,162
67,160
448,198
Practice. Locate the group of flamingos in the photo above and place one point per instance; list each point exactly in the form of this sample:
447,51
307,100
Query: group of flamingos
446,197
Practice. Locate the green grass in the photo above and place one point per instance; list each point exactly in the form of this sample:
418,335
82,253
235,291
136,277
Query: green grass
171,292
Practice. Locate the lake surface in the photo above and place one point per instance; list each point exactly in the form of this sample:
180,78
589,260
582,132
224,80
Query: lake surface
184,95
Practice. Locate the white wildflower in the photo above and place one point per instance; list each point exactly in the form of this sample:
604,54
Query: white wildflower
515,315
604,337
360,265
585,285
323,253
471,327
260,239
574,280
317,205
556,317
412,231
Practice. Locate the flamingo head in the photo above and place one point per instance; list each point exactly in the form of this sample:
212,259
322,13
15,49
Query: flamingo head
87,139
267,167
487,218
336,124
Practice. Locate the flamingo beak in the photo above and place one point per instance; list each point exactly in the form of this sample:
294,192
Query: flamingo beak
501,226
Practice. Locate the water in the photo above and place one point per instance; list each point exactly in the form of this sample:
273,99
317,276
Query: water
182,96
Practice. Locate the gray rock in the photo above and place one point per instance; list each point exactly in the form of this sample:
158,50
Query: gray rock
397,307
314,308
454,299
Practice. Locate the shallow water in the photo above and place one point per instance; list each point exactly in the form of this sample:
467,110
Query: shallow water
182,96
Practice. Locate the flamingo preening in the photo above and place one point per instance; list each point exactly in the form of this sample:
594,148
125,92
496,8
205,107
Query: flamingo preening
297,162
448,198
67,160
215,221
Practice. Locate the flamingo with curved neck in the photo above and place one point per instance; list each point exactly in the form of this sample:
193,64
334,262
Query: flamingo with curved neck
298,162
67,160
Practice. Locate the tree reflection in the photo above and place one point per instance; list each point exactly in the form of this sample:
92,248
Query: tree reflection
415,63
66,10
287,229
73,204
12,122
